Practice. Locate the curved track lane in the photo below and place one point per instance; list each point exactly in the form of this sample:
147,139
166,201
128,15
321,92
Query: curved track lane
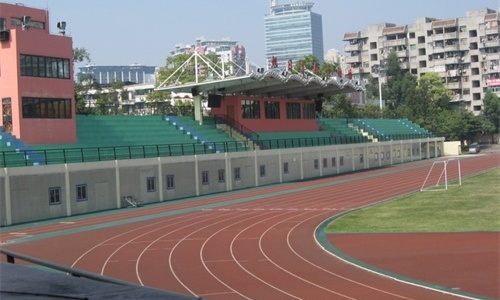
254,244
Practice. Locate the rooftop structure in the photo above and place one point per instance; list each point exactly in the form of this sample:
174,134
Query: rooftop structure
133,74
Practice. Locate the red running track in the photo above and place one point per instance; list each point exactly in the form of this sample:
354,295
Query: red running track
259,249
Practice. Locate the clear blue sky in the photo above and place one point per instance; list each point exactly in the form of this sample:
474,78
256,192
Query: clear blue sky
122,32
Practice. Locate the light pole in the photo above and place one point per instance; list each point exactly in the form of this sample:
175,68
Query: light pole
381,73
380,89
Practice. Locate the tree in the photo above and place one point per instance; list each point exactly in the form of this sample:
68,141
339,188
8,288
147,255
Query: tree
310,61
180,69
80,55
456,125
401,85
432,97
340,106
491,115
372,88
83,84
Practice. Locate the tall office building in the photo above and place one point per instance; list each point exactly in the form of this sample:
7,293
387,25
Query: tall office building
293,31
465,52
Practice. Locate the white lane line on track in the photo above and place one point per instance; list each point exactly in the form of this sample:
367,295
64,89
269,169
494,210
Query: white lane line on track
252,216
291,273
250,273
333,273
216,294
180,219
201,251
171,250
230,260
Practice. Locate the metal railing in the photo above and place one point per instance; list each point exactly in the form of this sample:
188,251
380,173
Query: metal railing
33,157
235,125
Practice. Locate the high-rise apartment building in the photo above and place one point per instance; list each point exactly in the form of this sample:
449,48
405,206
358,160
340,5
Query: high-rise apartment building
465,52
293,31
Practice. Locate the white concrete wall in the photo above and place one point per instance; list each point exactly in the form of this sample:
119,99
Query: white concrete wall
24,190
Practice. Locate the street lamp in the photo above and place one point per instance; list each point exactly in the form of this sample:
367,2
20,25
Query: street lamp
381,73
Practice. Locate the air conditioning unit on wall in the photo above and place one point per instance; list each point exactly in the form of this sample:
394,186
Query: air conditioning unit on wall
4,35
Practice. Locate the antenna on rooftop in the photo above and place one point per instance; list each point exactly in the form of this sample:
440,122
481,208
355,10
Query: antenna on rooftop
62,27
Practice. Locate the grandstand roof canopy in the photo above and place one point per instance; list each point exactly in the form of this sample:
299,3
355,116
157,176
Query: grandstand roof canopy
271,83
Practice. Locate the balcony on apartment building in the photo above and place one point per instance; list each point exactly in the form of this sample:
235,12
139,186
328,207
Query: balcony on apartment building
354,45
456,97
357,68
492,30
457,59
442,46
491,68
490,41
443,36
356,57
395,42
490,55
353,38
454,84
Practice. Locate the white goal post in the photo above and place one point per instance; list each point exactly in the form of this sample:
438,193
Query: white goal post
442,182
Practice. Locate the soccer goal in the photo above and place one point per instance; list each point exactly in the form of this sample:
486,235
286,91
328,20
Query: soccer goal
440,175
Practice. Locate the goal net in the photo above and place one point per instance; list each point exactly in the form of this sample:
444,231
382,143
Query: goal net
441,174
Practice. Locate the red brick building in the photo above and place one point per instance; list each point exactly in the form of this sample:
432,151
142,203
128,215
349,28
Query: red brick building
36,77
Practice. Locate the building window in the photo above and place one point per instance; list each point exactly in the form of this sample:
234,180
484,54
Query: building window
293,110
285,168
237,175
262,170
81,192
41,66
151,184
204,177
250,109
341,161
316,164
325,163
272,109
334,161
309,111
361,158
221,175
170,182
44,108
55,195
388,154
3,24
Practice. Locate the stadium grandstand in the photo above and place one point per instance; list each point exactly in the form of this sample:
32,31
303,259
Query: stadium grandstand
109,137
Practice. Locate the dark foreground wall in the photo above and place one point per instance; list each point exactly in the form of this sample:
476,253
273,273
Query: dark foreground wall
36,193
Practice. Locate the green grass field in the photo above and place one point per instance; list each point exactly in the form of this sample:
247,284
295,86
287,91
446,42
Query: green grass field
473,206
